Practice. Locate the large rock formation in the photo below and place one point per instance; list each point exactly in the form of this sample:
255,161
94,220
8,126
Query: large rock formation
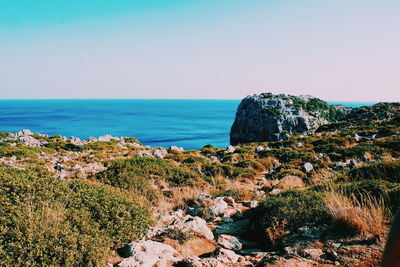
268,117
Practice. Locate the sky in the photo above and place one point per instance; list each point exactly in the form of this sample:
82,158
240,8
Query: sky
337,50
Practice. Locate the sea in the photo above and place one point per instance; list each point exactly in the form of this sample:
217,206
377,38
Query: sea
190,124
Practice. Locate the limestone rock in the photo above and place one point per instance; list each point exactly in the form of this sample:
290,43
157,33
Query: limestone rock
308,167
149,253
196,225
226,255
229,242
268,117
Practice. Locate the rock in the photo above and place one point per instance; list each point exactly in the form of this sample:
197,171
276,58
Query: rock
75,141
176,149
169,217
259,149
150,253
229,242
268,117
226,255
24,132
308,167
313,253
194,261
160,153
107,137
29,141
238,227
290,251
196,225
275,191
219,207
251,204
299,144
230,149
144,153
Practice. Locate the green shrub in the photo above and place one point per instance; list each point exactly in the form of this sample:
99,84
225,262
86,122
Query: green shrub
134,174
388,170
227,170
293,209
48,222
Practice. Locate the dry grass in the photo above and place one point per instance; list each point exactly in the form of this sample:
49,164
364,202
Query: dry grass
291,182
179,196
365,216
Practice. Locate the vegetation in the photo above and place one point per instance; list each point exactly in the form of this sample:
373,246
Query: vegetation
49,222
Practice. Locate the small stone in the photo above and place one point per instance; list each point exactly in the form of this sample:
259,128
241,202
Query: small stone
308,167
230,149
313,253
229,242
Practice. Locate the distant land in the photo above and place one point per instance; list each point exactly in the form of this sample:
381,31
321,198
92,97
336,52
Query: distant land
155,122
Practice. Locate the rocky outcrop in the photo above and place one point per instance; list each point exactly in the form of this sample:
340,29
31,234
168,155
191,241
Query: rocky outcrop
268,117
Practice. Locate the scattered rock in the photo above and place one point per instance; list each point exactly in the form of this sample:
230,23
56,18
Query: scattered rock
176,149
229,242
196,225
313,253
226,255
230,149
160,153
150,253
308,167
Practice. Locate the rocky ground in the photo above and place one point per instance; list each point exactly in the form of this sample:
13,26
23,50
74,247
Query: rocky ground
319,197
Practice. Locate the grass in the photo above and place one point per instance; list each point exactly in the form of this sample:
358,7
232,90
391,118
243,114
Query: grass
354,216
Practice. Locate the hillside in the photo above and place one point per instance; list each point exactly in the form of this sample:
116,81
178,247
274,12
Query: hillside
323,195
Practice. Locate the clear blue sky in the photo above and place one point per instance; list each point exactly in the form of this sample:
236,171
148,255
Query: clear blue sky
346,50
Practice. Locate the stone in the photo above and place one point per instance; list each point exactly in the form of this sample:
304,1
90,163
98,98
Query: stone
229,242
177,149
150,253
29,141
250,204
275,191
196,225
259,149
230,149
268,117
308,167
160,153
313,253
219,207
226,255
299,144
237,227
290,251
105,138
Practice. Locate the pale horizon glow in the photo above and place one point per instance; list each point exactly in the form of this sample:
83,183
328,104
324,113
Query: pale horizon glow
342,50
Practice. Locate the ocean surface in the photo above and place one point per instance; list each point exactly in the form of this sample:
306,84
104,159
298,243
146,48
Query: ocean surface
187,123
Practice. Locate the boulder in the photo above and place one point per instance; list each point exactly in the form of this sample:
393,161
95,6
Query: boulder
160,153
226,255
308,167
150,253
313,253
176,149
196,225
229,242
268,117
230,149
29,141
219,207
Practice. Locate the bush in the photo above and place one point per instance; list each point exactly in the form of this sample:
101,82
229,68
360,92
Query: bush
389,171
133,174
49,222
294,208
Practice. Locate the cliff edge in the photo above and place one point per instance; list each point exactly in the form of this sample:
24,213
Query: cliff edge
269,117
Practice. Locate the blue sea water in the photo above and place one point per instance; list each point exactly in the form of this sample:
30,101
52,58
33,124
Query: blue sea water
188,123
